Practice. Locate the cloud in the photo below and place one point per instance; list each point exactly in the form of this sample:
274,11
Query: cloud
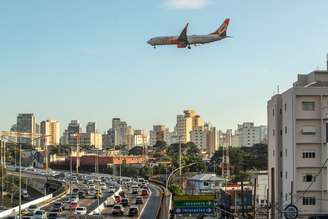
186,4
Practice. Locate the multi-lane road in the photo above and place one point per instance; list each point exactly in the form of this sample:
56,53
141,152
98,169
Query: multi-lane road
148,209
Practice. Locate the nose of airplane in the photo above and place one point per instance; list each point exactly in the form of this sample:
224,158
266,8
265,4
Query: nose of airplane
149,42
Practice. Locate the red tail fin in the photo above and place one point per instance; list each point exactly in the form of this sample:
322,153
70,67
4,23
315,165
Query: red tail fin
222,30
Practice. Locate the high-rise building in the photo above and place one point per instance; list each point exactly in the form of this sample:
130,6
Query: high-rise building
51,128
205,137
250,134
159,133
26,122
91,127
297,146
140,138
186,123
73,131
91,139
122,132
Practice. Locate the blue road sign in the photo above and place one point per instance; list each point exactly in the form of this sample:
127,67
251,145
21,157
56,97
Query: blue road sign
291,211
194,210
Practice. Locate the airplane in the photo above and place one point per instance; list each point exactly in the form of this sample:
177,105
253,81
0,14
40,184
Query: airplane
183,40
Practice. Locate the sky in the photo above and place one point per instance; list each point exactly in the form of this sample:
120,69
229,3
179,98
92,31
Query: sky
89,60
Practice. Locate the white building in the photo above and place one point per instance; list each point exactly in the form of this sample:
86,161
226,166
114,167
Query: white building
51,128
140,138
250,134
297,149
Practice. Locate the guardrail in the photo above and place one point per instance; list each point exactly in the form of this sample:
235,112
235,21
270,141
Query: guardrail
102,205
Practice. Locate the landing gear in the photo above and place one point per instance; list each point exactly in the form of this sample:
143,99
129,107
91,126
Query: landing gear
154,47
189,47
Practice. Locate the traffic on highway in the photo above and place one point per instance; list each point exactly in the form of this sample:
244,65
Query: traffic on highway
92,194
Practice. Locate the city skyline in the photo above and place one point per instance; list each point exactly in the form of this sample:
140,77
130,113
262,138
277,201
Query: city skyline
90,56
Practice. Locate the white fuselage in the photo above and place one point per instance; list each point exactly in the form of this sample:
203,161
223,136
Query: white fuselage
192,39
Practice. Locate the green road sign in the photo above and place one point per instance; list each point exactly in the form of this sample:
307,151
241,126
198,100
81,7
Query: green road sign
195,203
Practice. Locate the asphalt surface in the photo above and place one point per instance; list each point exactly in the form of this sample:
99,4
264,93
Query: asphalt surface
153,204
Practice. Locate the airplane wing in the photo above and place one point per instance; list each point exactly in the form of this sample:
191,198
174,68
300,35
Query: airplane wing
183,35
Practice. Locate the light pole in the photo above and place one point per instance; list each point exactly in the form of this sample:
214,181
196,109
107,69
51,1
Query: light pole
174,171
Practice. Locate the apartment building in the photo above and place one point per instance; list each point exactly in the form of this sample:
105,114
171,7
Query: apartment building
297,146
50,128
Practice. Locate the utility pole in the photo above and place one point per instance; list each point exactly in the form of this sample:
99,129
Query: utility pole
267,204
20,181
254,198
242,197
291,191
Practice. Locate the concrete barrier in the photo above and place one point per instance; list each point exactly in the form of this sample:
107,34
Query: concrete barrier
102,205
15,210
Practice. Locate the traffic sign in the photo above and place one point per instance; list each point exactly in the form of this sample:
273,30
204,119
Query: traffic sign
194,204
291,211
194,210
194,197
186,204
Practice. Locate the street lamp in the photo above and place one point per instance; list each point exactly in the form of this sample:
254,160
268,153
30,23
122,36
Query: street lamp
174,171
20,169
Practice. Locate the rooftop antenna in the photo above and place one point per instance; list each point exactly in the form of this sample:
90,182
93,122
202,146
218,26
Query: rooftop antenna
277,89
327,60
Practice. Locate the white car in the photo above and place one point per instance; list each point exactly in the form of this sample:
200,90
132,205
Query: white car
111,189
92,186
81,211
103,186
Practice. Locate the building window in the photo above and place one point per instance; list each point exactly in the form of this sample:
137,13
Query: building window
273,132
308,154
285,107
273,112
285,129
286,175
273,152
286,152
308,105
308,178
308,200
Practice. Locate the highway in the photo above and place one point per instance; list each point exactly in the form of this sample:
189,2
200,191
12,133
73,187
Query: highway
149,208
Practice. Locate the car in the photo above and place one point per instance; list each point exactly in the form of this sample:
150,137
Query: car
39,214
52,215
92,186
73,205
81,211
111,189
59,206
144,193
118,210
133,211
25,194
118,199
125,202
110,202
33,208
75,190
103,186
134,189
81,194
74,198
67,200
27,217
139,200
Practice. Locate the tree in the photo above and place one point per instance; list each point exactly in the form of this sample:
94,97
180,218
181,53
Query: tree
137,151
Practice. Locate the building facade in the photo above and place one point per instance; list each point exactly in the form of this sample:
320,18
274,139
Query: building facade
297,146
159,133
91,127
26,122
249,134
51,128
91,139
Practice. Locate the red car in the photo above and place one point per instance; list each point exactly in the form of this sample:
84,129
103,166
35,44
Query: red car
73,205
144,193
118,199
